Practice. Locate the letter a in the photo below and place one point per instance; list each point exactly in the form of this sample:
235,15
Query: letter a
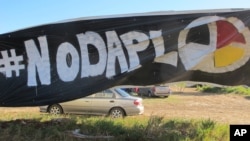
237,132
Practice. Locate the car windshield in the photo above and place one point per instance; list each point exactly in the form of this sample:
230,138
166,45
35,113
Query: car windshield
122,92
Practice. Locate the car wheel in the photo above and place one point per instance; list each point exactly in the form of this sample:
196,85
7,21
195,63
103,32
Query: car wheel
116,113
55,109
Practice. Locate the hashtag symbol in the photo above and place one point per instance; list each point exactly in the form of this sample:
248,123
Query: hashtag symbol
10,63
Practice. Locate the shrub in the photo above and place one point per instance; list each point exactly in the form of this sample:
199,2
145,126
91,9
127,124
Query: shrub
226,89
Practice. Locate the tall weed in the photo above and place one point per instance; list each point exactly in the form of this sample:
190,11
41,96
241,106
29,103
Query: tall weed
141,128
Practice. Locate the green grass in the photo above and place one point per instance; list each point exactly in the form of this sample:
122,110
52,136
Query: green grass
44,127
225,90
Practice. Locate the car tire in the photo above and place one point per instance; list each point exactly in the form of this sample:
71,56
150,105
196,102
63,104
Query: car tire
116,113
55,109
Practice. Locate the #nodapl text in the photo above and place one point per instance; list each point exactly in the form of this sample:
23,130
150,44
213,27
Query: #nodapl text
69,62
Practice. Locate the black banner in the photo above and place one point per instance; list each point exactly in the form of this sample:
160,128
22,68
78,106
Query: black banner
68,60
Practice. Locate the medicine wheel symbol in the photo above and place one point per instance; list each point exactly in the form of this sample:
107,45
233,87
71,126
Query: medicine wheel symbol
214,44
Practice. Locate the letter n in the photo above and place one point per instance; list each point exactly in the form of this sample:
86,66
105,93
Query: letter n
39,62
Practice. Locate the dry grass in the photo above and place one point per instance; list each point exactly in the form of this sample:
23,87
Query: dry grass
188,115
191,104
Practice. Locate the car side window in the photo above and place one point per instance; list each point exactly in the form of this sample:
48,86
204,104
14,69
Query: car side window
99,95
90,96
105,94
108,94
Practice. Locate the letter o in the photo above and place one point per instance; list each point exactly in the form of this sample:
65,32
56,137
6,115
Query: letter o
67,69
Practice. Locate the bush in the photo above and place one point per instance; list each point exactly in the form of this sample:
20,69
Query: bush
225,90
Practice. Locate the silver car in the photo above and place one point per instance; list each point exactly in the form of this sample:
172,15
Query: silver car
114,102
157,90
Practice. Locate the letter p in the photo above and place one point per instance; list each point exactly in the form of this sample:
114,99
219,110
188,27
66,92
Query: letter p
243,131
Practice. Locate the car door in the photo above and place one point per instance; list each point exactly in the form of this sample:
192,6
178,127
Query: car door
79,106
103,102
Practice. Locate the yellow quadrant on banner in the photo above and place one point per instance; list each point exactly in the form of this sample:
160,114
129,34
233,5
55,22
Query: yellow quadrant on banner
227,55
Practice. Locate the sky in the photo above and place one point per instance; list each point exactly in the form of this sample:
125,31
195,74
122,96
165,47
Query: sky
19,14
